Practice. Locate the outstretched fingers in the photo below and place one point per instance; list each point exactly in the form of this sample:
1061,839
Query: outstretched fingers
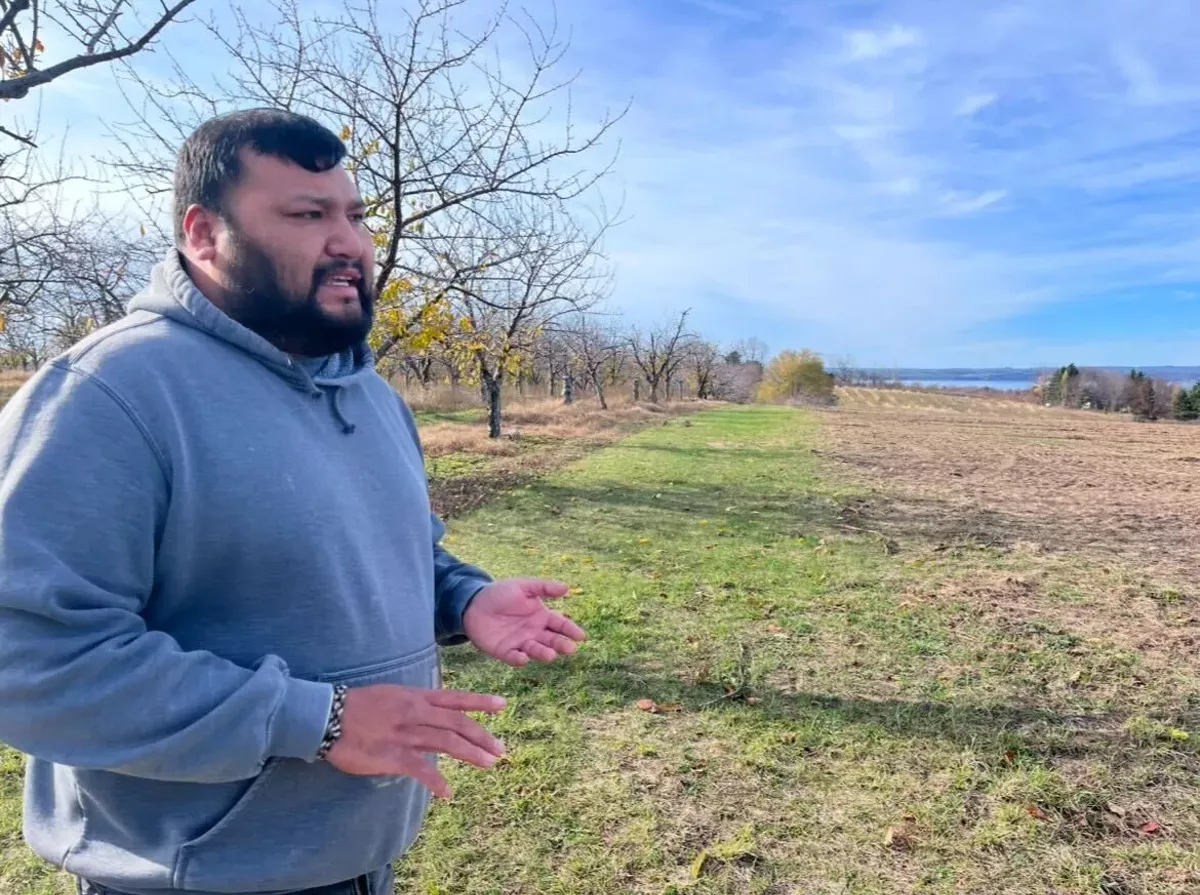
560,624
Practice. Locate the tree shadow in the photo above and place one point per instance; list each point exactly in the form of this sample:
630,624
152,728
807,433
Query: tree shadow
592,687
697,451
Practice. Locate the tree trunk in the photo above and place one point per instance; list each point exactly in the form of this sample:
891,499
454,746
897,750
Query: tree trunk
654,390
637,389
569,390
492,390
599,383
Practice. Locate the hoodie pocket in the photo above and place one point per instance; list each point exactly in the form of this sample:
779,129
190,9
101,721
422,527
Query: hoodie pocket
301,824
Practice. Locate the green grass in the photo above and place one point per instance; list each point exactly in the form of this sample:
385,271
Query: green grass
837,716
469,415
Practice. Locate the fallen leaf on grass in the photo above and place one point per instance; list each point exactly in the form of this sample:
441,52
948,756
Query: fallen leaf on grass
1150,828
1116,809
649,705
1036,813
900,838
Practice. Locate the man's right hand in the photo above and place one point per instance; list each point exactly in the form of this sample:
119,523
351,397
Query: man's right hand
388,729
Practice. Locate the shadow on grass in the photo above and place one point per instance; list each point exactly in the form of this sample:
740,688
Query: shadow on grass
705,451
595,687
740,507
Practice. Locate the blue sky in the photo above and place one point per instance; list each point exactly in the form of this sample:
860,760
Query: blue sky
912,182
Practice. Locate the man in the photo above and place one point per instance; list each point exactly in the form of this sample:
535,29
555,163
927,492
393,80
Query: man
221,585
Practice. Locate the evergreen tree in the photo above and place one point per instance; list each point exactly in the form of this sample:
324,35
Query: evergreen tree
1187,403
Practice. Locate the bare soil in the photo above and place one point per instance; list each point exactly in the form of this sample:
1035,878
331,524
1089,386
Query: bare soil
949,470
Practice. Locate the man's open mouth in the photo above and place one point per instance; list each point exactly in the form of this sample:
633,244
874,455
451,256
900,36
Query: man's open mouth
347,278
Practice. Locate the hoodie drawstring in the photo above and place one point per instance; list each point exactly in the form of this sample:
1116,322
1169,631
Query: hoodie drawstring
347,426
334,399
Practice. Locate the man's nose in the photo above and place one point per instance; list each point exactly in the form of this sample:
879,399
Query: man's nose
343,241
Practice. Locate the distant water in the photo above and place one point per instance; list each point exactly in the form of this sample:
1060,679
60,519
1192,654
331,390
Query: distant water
1006,385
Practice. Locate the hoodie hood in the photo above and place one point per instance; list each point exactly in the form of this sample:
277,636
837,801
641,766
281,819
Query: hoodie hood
172,294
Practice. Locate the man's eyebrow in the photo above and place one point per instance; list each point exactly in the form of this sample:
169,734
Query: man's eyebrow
326,201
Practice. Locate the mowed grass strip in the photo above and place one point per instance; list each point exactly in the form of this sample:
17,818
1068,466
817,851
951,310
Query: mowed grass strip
766,705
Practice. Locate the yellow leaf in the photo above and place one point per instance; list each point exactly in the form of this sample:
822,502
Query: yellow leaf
345,134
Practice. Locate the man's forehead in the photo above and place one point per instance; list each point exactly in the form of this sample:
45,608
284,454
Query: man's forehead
286,178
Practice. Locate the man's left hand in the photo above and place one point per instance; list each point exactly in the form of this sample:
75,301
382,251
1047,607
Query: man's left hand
508,621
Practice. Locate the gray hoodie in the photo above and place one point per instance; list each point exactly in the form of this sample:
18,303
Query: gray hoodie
197,540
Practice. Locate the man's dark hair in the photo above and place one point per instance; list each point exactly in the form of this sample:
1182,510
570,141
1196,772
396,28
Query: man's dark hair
208,164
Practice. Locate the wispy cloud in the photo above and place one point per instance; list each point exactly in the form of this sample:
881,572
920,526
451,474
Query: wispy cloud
873,44
886,182
976,102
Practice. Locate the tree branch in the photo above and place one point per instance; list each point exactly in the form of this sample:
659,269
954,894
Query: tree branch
18,88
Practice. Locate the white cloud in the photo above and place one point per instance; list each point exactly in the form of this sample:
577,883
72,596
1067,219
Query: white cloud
957,205
874,44
976,102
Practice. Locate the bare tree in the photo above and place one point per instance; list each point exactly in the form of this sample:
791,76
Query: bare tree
35,226
751,351
532,267
706,363
41,232
87,283
96,32
595,345
659,352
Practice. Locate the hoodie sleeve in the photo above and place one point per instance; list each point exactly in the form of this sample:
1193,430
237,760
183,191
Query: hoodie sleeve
456,584
83,496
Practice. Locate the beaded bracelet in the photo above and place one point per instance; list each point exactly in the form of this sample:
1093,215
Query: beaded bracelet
333,730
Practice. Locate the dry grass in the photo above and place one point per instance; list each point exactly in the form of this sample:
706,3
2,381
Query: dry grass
467,468
1002,473
10,381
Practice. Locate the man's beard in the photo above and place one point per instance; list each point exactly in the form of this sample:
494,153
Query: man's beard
257,299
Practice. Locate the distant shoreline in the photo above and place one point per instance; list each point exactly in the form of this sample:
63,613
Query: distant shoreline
1008,378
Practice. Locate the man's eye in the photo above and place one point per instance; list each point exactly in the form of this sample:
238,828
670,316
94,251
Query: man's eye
307,215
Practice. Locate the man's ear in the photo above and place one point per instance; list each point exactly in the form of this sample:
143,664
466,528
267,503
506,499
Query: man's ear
200,233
